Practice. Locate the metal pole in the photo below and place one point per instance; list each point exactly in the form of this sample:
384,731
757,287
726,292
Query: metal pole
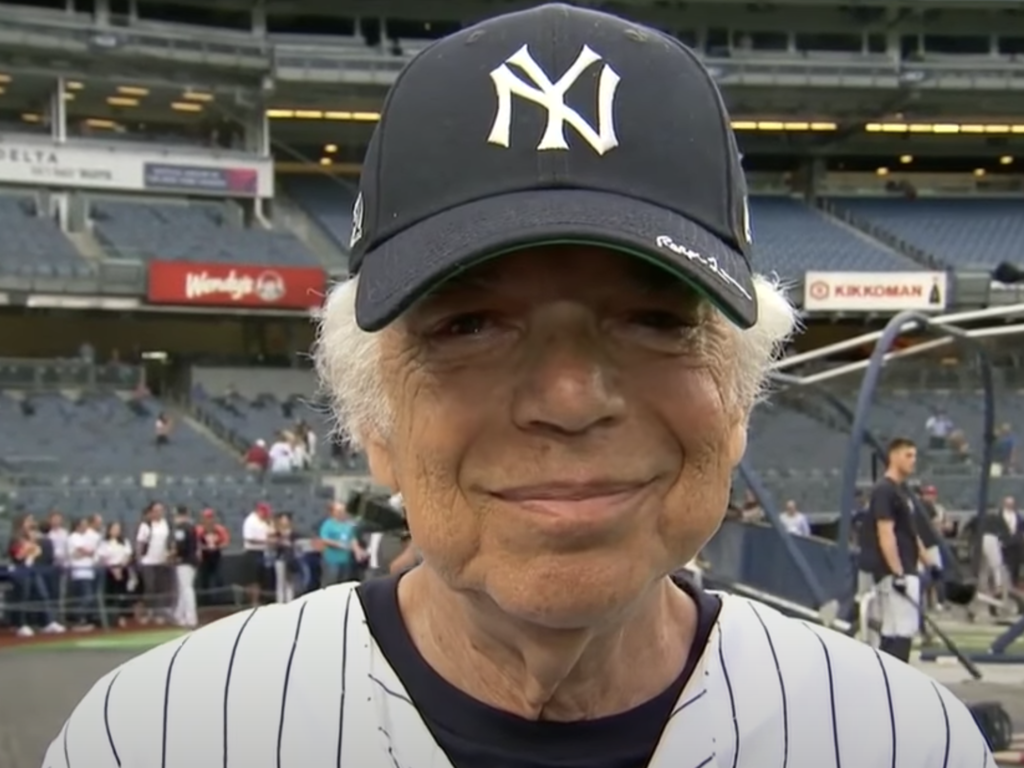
990,313
917,349
754,483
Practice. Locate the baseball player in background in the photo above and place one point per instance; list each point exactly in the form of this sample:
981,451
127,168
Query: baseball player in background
900,551
551,344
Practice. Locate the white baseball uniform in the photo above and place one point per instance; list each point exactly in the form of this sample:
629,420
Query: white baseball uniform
305,684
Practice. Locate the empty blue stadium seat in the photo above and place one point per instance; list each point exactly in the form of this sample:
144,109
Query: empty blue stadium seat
327,199
199,232
791,238
961,232
100,435
35,246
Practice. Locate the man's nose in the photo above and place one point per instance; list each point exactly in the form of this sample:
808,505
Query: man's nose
568,381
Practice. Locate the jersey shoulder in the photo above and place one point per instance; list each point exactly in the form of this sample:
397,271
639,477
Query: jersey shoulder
836,686
195,698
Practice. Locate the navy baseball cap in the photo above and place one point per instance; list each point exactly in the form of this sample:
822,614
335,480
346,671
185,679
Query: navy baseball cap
551,125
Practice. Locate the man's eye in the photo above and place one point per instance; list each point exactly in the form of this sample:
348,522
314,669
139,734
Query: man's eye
470,324
660,320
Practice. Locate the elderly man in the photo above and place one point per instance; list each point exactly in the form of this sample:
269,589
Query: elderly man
551,347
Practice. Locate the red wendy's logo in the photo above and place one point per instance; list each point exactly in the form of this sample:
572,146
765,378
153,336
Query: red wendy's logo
270,287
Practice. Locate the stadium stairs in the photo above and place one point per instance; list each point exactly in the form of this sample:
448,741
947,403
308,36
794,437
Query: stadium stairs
815,408
87,245
290,216
878,234
183,414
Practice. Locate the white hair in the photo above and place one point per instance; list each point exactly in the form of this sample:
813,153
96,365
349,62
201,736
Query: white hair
348,358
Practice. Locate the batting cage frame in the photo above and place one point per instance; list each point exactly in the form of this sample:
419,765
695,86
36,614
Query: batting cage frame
826,570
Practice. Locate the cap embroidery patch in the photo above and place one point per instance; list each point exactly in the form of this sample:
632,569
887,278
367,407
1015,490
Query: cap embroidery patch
357,222
709,263
551,96
747,236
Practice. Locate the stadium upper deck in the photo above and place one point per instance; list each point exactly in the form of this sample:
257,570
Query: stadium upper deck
147,174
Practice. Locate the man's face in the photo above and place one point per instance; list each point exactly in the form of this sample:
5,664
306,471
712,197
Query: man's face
1009,503
563,431
905,460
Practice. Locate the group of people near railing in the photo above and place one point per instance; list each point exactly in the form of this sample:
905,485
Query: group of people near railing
92,574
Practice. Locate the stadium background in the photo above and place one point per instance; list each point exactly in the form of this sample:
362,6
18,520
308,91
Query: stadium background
176,192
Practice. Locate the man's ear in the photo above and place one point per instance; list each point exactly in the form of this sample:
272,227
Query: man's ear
736,442
382,468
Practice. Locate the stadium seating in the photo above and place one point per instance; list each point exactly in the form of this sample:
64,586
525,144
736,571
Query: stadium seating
960,232
327,199
241,421
791,237
34,246
199,232
100,434
96,453
801,458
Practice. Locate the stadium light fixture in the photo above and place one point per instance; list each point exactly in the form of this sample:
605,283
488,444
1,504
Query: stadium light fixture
783,125
330,148
73,85
122,101
186,106
5,78
1005,160
2,90
68,96
906,159
132,90
191,95
946,128
31,117
883,171
979,172
325,161
99,122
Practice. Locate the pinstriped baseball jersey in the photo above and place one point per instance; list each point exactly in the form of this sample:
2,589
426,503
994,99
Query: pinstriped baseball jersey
304,685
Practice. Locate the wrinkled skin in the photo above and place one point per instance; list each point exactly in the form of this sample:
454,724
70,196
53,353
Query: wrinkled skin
560,364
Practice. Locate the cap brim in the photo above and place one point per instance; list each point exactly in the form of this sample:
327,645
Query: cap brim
401,270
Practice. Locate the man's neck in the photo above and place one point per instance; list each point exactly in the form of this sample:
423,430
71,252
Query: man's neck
544,674
895,475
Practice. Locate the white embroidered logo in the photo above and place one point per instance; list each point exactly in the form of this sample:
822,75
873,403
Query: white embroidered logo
357,222
710,263
746,221
551,96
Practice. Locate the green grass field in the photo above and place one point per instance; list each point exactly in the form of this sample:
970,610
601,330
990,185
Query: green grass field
122,641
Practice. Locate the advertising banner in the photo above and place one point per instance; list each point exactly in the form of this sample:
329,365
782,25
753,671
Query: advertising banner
235,285
875,291
110,166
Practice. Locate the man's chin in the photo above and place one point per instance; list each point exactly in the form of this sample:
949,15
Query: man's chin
562,593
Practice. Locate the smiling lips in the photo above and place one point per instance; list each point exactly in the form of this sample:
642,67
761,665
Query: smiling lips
594,501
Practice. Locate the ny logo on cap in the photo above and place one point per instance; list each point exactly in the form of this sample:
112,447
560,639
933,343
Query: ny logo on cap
551,96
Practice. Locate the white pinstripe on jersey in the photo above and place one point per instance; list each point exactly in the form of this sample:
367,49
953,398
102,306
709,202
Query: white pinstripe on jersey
304,684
